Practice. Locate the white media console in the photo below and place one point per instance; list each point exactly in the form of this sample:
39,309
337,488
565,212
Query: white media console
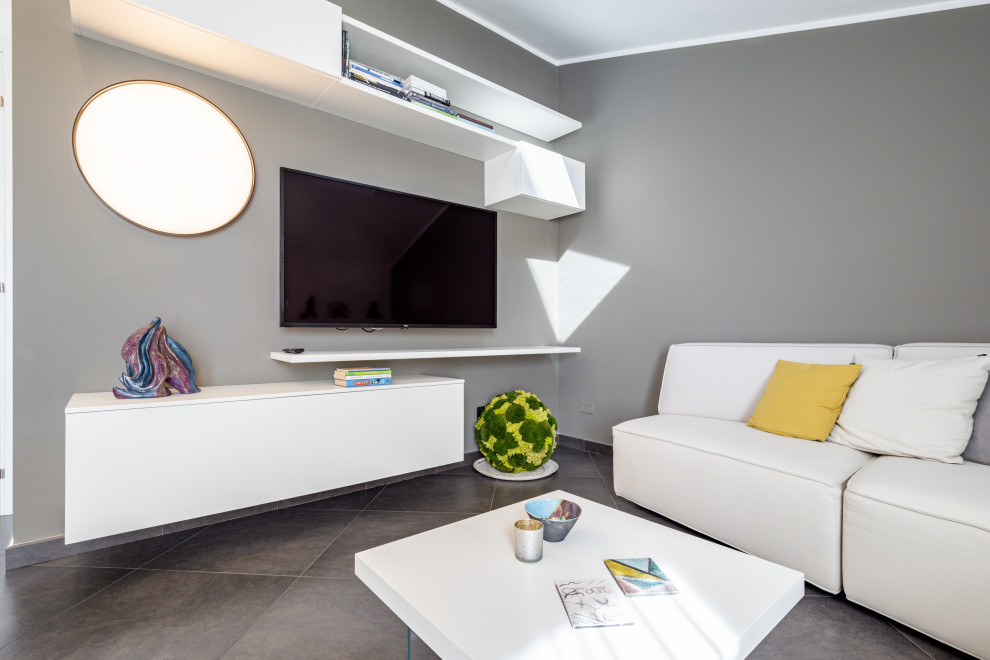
131,464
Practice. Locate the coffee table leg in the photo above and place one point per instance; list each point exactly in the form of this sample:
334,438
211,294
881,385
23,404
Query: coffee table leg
408,643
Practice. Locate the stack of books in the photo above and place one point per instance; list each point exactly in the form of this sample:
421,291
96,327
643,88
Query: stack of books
363,376
413,89
380,80
427,95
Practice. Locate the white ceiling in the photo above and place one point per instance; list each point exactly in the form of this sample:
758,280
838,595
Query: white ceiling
567,31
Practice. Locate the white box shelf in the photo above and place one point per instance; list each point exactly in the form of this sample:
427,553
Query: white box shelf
534,181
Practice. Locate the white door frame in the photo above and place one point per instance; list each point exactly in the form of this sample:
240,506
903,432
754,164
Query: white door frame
6,264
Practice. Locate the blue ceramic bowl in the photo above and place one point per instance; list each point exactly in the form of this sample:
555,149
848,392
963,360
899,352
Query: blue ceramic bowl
557,516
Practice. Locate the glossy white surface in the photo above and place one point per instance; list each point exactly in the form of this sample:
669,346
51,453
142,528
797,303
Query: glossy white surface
536,182
419,354
450,584
132,465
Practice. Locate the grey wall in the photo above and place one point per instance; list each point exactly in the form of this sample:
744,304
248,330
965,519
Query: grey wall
84,279
823,186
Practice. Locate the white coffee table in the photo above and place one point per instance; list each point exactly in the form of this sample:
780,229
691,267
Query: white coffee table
461,589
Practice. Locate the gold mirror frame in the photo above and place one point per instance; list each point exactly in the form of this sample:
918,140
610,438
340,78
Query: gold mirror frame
171,163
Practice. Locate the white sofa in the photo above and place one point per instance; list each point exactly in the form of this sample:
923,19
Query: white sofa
905,537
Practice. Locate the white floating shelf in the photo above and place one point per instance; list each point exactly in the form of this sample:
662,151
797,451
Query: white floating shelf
471,93
291,50
362,104
418,354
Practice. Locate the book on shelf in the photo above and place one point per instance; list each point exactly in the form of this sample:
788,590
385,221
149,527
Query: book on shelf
345,53
365,382
427,94
384,76
364,72
420,103
374,83
412,96
361,371
476,123
592,603
640,577
365,377
415,81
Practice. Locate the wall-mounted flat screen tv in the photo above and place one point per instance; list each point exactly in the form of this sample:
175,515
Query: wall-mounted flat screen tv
359,256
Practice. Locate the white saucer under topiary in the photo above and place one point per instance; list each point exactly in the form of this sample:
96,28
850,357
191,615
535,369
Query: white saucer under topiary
484,467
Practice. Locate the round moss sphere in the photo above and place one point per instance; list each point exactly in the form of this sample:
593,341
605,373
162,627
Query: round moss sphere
516,432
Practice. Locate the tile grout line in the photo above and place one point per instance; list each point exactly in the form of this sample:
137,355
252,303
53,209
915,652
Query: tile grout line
372,500
177,545
602,477
918,646
130,568
291,584
200,572
130,571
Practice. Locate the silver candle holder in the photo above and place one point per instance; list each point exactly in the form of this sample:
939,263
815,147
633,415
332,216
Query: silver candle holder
529,540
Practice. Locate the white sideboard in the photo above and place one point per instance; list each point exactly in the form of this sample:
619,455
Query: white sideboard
131,464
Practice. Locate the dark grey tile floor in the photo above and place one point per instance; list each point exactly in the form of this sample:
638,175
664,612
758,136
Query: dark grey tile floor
281,584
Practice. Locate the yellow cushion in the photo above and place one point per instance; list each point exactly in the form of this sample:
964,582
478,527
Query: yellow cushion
804,400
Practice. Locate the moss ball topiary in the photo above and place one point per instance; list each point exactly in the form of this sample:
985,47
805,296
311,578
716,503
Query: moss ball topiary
516,432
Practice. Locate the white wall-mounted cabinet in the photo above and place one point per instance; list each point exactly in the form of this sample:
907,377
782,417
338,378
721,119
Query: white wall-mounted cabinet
534,181
292,49
279,48
131,464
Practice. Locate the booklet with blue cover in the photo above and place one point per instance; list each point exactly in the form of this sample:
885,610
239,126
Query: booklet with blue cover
640,577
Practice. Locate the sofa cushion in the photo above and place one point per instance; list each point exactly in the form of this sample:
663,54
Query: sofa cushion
775,497
803,400
724,381
915,544
920,408
826,463
957,493
978,449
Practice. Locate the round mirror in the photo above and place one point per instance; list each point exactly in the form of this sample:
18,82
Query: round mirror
163,157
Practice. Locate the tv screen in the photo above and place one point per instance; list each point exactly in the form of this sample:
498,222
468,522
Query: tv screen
356,255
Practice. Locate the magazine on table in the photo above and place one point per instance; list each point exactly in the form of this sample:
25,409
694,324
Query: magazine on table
592,603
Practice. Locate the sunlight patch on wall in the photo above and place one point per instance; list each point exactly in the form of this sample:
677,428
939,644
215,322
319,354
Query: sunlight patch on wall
573,287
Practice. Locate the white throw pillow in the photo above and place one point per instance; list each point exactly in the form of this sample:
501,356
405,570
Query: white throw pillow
918,408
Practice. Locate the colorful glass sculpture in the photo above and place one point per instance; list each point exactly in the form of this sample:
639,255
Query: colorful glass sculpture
154,362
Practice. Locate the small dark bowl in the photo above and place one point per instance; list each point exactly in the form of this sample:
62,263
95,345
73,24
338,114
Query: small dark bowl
558,516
